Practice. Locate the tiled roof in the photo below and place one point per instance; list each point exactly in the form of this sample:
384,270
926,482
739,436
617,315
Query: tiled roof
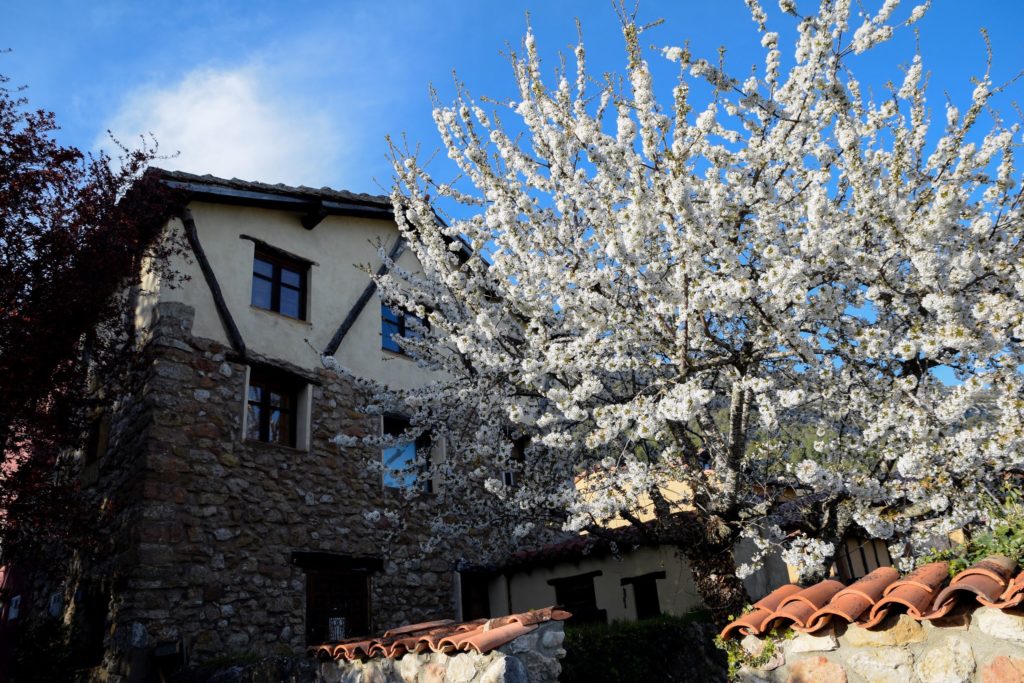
923,594
584,545
213,182
447,636
612,540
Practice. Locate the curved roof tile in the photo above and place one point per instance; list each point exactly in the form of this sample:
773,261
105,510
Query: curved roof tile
445,635
923,594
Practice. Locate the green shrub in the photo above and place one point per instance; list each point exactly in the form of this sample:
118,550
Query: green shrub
670,649
1006,537
738,658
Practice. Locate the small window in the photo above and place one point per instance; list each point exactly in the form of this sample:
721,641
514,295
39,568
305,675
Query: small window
279,284
401,470
272,407
98,439
576,594
14,608
474,589
337,594
645,594
510,477
337,605
55,605
396,324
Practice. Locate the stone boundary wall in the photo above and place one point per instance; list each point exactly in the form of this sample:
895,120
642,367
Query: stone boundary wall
532,658
982,644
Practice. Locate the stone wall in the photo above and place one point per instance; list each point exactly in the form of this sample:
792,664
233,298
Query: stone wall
982,644
202,523
532,658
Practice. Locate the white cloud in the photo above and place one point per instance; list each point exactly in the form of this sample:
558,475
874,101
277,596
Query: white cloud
233,123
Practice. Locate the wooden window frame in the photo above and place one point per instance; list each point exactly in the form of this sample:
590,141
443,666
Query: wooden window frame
270,382
646,600
278,263
568,589
327,571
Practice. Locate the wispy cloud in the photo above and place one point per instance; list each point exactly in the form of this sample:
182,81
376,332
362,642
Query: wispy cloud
233,123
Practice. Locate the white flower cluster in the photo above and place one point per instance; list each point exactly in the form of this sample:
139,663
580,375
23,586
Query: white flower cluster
749,306
808,556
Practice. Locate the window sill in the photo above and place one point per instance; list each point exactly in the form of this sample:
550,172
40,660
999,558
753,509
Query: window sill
282,316
400,492
388,353
272,445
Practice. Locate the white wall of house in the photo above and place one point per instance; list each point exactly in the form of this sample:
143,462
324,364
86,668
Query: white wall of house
529,589
339,247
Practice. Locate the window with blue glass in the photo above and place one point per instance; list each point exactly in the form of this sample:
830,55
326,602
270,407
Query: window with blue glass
397,324
401,466
271,408
279,284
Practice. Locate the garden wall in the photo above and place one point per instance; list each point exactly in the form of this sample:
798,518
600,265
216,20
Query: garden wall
531,658
982,644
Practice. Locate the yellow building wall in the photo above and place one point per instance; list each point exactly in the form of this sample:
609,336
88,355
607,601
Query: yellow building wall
529,589
339,248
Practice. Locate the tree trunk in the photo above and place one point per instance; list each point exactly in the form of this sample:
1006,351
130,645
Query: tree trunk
707,543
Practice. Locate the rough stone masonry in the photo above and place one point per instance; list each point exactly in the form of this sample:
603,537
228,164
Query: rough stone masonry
201,524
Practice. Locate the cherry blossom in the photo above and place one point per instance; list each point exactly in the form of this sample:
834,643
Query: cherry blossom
714,317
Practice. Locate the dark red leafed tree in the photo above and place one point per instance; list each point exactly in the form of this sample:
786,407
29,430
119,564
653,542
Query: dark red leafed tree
73,230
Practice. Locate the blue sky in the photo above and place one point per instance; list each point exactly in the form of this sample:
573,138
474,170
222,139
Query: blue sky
304,92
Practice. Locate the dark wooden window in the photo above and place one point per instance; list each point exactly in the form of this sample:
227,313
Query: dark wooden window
272,407
98,439
400,468
92,604
476,602
337,594
510,477
333,595
576,594
279,284
395,323
645,593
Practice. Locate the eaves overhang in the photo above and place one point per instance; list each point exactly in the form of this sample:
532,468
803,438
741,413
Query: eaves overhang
313,205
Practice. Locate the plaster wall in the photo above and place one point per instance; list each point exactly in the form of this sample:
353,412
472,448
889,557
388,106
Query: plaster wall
676,592
339,249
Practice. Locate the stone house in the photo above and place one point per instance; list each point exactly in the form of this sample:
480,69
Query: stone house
233,523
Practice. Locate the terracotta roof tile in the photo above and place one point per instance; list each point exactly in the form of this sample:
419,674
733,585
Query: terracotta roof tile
987,581
853,603
755,622
447,636
1014,594
799,607
995,581
915,592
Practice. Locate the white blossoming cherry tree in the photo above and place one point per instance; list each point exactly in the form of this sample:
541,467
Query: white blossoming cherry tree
785,311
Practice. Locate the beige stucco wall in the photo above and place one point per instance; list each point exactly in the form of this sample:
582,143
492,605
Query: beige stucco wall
339,248
772,574
676,592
